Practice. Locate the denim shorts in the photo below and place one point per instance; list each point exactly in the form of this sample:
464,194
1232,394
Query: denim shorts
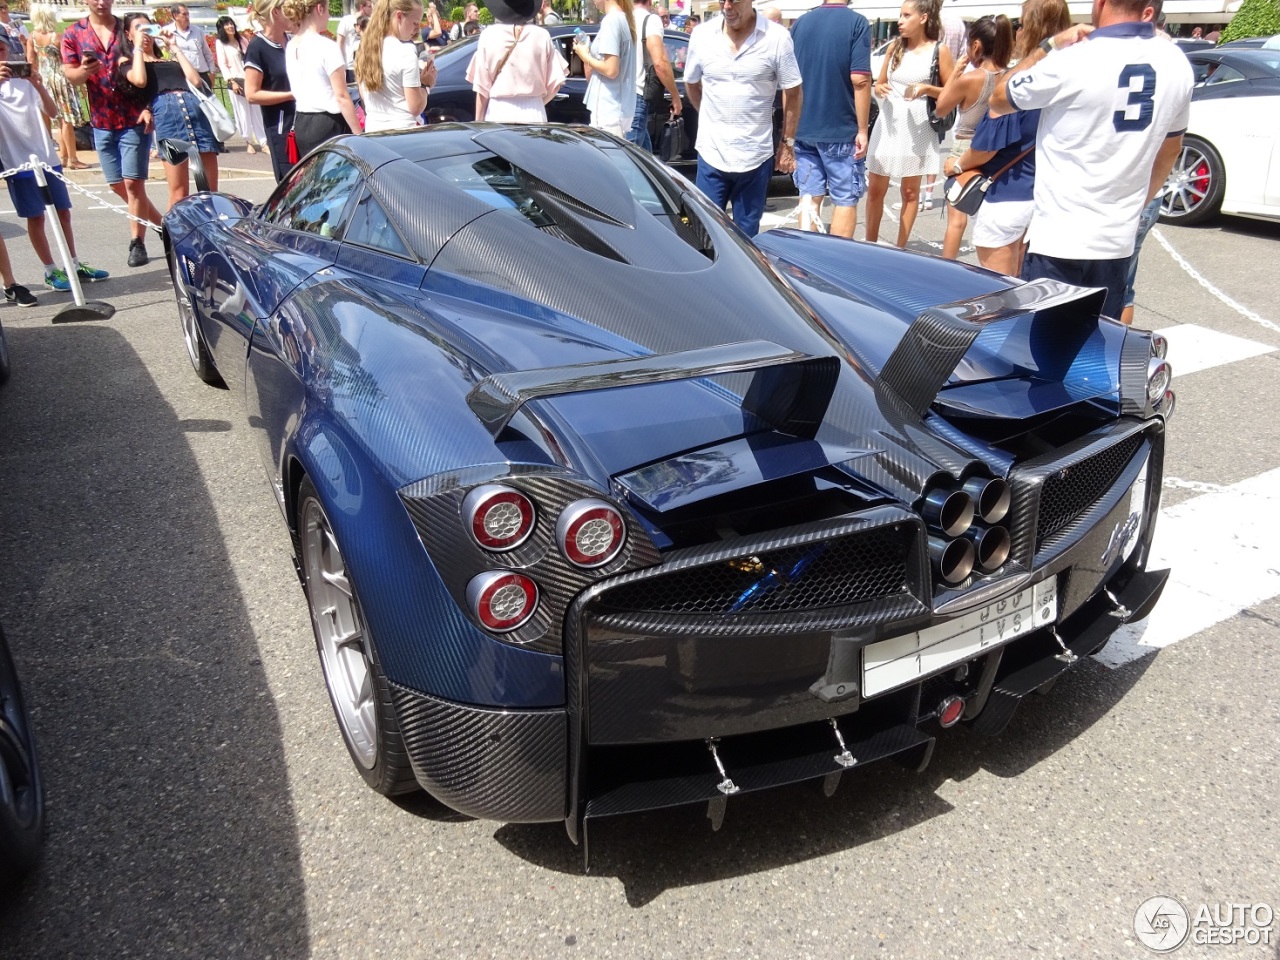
122,153
27,198
179,117
828,169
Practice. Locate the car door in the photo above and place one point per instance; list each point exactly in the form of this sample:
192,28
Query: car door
264,257
568,105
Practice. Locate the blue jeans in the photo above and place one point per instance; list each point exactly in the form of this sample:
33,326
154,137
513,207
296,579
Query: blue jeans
1146,220
639,132
122,153
746,191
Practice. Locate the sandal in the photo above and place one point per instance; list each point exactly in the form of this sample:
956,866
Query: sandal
251,149
76,165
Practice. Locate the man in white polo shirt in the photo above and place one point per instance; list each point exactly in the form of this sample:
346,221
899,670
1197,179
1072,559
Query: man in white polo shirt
736,63
1114,103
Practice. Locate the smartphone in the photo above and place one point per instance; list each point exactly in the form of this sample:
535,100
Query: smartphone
152,29
87,57
18,68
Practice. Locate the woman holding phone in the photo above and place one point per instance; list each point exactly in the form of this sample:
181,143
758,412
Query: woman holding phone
393,82
166,86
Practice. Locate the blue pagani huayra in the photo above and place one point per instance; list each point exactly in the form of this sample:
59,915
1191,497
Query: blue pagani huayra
602,507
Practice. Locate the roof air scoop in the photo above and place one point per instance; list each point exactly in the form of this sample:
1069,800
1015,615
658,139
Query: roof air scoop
570,165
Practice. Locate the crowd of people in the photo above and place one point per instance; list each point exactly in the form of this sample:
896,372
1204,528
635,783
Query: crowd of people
1076,125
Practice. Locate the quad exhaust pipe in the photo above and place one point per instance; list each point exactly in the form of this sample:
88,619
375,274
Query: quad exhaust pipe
991,498
991,547
952,559
949,511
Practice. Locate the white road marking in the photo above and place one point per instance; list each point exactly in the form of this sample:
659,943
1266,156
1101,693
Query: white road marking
1196,276
1222,550
1193,348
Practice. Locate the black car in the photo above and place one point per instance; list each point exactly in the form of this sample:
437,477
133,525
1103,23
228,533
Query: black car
452,97
21,792
1235,72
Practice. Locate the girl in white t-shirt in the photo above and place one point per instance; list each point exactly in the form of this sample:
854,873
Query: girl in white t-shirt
317,77
393,83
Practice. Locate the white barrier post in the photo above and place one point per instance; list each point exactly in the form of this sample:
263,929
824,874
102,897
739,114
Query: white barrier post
82,309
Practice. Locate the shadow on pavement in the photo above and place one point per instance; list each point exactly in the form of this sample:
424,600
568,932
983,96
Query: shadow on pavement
653,852
170,825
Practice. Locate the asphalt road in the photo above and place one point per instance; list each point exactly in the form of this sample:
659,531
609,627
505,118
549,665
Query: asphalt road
201,803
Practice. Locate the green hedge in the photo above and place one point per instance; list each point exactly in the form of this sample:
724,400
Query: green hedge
1255,18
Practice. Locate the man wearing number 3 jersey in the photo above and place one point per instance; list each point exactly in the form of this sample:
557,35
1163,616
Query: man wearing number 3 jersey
1114,100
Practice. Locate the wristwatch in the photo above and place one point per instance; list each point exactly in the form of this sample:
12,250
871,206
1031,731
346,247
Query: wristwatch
1047,45
789,141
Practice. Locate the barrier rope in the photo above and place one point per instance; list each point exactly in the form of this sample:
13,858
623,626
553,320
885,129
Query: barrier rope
91,194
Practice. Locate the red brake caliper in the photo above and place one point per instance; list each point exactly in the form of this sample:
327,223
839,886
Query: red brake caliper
1201,177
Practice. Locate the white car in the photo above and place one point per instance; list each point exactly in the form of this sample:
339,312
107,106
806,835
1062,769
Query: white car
1230,160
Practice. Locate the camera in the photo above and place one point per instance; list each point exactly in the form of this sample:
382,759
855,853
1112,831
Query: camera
18,68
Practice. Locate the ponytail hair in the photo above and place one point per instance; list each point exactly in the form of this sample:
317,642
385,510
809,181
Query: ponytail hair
368,62
995,36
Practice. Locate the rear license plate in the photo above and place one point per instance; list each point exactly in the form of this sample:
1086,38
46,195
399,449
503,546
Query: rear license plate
892,663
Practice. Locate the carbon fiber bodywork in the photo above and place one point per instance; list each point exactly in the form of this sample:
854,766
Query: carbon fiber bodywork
547,313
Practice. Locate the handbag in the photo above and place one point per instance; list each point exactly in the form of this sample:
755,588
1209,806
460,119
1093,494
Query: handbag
224,128
940,124
674,141
291,147
968,188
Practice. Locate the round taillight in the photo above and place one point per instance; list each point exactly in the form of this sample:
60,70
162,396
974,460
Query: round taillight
1159,346
1159,376
498,517
502,600
590,533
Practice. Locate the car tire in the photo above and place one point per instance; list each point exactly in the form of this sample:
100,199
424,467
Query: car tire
4,356
1195,187
197,352
358,690
21,788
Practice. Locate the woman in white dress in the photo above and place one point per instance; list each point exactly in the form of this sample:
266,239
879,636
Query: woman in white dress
903,145
230,50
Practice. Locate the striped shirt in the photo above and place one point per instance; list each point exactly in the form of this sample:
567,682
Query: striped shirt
735,122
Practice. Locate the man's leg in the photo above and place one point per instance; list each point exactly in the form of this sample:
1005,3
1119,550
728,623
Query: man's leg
1146,220
639,133
748,197
714,183
811,183
846,183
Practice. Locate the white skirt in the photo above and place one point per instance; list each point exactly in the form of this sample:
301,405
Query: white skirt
516,110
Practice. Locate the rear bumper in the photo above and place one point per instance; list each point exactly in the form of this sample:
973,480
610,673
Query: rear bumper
517,766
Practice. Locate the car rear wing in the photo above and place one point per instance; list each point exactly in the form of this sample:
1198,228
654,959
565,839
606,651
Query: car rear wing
790,392
935,343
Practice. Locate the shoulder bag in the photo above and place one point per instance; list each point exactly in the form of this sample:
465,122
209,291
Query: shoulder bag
224,128
967,189
940,124
653,88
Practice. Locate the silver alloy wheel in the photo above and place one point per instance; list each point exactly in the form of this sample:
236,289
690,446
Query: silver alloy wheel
186,315
339,628
1189,183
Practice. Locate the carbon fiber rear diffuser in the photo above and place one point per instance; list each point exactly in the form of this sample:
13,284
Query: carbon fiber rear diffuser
903,742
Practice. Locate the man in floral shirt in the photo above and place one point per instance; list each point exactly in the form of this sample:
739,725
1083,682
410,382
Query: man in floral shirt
91,52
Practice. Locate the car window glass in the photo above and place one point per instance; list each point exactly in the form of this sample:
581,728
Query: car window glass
676,52
1224,74
1201,70
314,196
566,51
370,227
